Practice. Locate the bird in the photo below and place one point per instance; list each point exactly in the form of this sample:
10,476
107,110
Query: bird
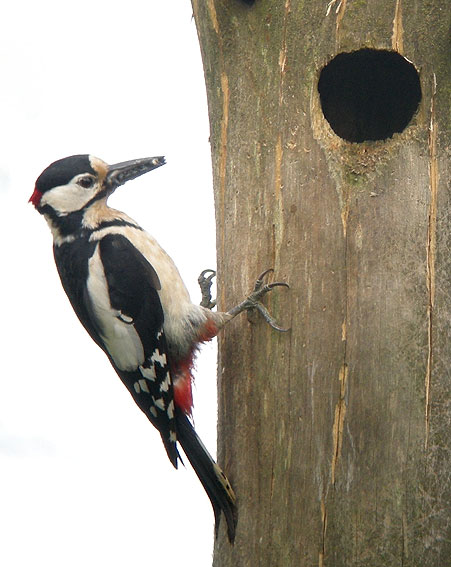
129,296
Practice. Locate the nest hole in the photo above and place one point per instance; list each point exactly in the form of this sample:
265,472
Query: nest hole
369,94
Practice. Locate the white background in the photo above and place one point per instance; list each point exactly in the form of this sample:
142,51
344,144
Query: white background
84,478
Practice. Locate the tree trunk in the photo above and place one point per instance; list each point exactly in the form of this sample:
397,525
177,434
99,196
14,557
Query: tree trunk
334,435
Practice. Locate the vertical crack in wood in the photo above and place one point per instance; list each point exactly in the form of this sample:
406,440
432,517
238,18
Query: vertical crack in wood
283,51
339,418
344,216
222,153
224,129
271,496
405,538
279,221
278,224
340,12
340,408
398,31
213,17
273,246
223,166
430,254
322,552
278,168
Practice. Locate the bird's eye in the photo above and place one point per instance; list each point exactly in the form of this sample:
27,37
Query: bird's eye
86,182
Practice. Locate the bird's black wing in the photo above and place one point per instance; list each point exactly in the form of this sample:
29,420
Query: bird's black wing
131,329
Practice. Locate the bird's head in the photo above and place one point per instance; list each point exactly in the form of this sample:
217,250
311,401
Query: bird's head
70,185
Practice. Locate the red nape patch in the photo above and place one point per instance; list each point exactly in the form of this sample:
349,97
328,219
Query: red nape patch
183,393
35,198
209,331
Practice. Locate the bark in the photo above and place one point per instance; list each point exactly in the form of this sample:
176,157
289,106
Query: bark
335,435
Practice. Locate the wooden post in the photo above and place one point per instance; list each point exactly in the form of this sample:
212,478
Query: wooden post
336,434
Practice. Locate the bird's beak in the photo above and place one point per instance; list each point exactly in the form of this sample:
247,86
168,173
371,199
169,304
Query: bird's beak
120,173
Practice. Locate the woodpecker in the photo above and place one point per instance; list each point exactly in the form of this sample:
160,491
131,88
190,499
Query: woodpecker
130,298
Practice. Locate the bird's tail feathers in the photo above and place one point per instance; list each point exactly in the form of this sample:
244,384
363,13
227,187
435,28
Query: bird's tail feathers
171,449
211,476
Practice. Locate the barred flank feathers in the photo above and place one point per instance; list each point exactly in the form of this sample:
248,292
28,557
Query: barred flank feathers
210,475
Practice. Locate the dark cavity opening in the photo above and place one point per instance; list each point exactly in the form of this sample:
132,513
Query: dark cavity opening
369,94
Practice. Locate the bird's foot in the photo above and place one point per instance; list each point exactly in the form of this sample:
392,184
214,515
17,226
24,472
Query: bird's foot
205,283
253,300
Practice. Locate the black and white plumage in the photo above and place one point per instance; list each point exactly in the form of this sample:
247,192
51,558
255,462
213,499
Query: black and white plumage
129,296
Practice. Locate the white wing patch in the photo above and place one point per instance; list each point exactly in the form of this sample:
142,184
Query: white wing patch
173,294
120,338
141,386
148,373
158,357
164,386
159,403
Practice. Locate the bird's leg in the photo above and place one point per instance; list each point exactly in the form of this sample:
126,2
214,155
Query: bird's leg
253,301
205,283
249,304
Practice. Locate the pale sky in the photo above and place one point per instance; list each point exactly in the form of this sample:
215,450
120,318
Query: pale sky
84,478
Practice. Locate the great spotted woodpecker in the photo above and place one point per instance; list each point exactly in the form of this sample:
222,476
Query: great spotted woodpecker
130,298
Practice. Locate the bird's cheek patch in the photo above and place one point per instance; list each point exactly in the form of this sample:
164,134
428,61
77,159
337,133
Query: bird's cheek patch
66,199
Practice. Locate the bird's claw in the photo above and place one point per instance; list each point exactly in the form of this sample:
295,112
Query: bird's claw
259,287
205,283
253,300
